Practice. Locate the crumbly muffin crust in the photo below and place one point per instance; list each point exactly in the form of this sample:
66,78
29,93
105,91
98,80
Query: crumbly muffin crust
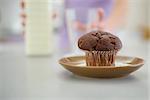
99,41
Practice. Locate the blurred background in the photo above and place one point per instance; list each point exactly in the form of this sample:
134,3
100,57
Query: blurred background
53,27
123,18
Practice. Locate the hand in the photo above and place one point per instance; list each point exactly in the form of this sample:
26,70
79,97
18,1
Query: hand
98,23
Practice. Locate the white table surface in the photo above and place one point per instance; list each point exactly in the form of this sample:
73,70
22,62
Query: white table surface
25,78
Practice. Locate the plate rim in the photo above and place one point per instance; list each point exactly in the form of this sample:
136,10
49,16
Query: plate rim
102,67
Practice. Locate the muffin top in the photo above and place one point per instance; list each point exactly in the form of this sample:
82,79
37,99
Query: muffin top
99,41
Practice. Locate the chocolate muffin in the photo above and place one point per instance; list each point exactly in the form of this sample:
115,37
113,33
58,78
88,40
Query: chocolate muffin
100,47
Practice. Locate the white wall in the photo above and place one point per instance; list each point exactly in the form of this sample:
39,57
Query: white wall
9,16
137,14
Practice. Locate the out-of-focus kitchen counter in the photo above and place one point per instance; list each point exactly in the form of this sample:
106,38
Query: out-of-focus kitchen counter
42,78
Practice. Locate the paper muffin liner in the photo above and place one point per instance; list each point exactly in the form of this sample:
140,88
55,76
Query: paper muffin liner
100,58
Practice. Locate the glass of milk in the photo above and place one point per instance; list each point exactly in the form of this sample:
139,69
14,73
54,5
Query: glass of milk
38,28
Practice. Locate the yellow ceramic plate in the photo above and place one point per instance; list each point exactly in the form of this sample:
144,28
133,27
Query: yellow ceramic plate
123,66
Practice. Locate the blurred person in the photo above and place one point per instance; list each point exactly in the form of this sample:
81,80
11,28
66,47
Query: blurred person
115,18
94,15
110,15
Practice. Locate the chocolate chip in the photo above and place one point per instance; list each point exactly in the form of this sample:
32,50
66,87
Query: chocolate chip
114,43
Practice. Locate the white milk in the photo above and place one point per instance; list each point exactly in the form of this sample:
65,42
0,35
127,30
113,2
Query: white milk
38,30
